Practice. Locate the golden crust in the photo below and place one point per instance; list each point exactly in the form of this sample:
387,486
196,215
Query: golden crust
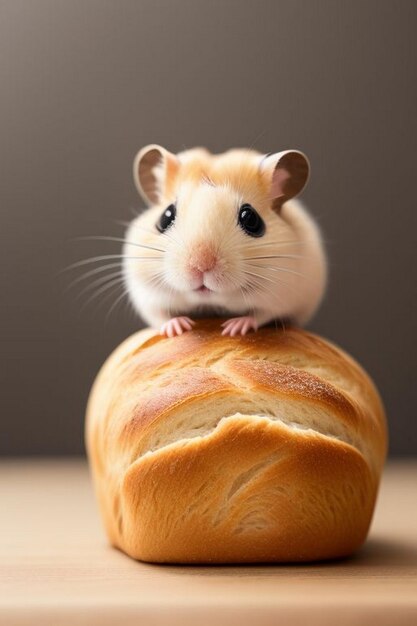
205,448
178,389
287,380
258,511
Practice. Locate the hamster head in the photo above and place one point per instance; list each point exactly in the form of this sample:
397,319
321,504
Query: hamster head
216,233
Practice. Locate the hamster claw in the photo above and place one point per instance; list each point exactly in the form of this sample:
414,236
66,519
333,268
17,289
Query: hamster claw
239,325
176,326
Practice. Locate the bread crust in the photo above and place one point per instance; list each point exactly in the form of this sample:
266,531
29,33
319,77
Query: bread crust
211,449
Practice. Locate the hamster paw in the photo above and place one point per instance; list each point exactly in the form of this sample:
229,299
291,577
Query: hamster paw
176,326
239,325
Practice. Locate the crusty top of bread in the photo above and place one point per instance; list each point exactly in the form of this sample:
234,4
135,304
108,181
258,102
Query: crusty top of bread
162,377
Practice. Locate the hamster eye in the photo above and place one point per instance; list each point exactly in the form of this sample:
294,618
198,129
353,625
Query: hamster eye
167,218
251,221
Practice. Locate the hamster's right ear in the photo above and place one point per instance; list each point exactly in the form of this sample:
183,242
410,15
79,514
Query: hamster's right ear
154,171
287,173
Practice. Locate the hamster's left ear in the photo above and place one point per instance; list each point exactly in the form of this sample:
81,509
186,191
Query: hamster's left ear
154,170
287,173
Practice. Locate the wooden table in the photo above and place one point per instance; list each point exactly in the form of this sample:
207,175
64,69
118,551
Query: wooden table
57,569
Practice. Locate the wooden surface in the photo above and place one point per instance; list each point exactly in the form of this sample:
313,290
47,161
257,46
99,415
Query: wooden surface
57,569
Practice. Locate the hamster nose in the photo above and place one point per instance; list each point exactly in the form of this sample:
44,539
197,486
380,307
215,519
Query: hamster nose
202,258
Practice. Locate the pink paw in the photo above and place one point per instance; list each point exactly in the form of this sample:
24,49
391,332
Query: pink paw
176,326
239,325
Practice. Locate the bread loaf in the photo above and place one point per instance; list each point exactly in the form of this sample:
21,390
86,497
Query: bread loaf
211,449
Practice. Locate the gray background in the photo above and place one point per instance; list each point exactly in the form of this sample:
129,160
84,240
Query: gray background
85,84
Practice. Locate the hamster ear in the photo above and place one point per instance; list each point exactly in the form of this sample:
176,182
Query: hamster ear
154,170
288,173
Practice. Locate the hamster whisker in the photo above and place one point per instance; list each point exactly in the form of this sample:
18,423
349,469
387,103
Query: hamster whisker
254,283
157,280
276,269
143,245
115,303
96,283
119,240
105,257
274,294
259,288
273,256
263,286
103,289
96,270
166,234
261,277
121,223
110,294
236,284
287,285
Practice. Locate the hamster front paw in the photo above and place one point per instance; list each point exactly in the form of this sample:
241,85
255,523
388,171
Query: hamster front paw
239,325
176,326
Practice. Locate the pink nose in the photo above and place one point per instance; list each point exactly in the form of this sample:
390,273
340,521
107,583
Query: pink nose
202,258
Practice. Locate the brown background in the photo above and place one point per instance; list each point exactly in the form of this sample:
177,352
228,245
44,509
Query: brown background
85,84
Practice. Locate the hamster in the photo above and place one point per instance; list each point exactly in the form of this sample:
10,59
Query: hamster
222,236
